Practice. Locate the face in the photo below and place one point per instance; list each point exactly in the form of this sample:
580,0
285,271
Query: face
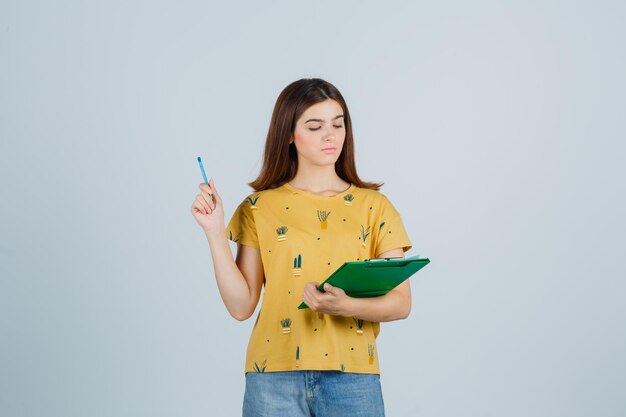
319,134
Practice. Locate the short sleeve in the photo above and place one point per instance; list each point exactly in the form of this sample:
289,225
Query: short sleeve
391,232
242,227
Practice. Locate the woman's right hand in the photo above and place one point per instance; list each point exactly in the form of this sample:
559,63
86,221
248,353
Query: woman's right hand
208,211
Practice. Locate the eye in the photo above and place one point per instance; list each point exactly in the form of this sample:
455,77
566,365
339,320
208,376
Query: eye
318,128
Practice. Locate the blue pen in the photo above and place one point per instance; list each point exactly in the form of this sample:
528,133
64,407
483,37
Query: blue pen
204,175
202,169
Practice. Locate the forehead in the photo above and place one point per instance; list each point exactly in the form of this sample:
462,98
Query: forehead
326,110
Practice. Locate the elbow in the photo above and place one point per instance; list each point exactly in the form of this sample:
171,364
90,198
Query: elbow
399,309
241,315
406,310
401,315
400,312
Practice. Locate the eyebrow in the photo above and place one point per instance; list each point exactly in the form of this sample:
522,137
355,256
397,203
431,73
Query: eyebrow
320,120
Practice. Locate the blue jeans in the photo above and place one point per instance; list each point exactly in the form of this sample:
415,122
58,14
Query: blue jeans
312,394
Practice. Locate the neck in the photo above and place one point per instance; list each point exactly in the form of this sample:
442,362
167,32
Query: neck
318,179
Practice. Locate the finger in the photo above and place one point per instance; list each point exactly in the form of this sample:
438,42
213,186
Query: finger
209,200
207,191
216,196
206,199
305,297
199,208
214,191
332,290
202,200
311,292
336,292
204,204
311,288
309,301
204,187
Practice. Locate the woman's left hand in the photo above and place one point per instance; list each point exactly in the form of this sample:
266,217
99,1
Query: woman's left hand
334,301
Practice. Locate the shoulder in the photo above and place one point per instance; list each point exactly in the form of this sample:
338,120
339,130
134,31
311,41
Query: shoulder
376,201
260,198
373,196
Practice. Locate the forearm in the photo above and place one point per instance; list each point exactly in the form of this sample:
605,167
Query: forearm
389,307
231,283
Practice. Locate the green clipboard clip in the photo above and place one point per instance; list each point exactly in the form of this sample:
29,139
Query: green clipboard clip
372,277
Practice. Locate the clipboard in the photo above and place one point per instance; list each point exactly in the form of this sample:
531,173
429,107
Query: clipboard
372,277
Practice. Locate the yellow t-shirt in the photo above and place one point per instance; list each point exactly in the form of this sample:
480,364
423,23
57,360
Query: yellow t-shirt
304,237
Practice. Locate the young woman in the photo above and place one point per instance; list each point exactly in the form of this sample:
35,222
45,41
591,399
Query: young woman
309,214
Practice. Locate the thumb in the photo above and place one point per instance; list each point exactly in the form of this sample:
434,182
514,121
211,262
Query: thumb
214,191
329,288
336,291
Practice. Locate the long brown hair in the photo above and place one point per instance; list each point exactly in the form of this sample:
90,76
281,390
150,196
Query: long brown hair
280,159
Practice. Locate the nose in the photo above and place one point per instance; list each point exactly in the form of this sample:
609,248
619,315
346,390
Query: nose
330,135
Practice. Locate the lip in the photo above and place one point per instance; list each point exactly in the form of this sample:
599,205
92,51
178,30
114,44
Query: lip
329,149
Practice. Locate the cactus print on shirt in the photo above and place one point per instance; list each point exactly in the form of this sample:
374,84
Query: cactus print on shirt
304,237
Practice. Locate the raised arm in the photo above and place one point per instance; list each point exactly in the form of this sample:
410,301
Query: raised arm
239,281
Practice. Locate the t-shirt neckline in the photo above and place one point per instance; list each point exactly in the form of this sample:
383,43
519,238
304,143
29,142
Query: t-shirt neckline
319,197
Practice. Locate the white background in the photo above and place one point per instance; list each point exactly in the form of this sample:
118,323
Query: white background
498,128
